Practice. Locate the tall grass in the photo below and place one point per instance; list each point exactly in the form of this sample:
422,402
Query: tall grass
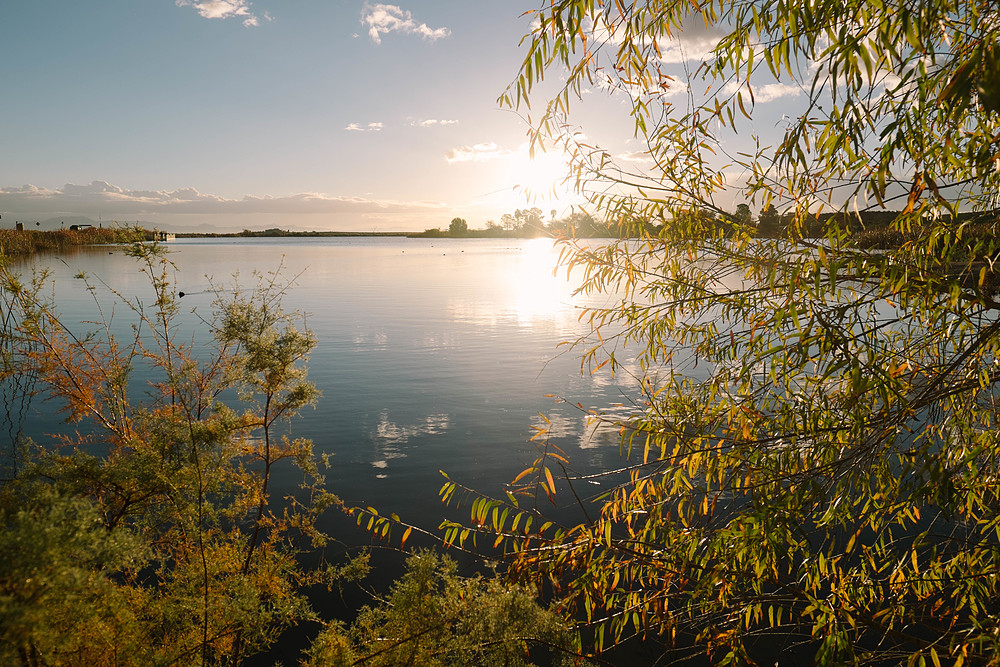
18,243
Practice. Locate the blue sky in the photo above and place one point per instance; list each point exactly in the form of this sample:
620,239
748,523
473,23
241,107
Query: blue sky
313,114
301,114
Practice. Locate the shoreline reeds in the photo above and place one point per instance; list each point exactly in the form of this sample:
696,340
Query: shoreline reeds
21,243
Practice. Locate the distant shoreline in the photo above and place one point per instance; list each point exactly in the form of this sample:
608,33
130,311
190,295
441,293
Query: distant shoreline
282,233
277,234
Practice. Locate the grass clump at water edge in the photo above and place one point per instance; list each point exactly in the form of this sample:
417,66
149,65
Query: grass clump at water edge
19,243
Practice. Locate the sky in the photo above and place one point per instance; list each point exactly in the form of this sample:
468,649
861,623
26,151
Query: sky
231,114
221,115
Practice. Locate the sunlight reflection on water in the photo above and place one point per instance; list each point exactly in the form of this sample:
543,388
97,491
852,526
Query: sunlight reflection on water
431,354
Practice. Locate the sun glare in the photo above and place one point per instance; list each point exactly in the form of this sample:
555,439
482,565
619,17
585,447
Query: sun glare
537,293
541,178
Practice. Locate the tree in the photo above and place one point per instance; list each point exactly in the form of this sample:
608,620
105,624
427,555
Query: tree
531,223
769,221
434,617
154,537
743,215
458,227
812,460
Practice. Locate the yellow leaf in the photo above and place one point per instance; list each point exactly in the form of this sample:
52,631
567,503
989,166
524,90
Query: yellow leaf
522,475
552,483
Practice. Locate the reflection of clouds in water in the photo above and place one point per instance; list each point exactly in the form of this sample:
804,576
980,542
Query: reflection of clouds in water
376,340
604,429
436,341
623,375
390,436
391,433
629,374
558,426
591,431
474,312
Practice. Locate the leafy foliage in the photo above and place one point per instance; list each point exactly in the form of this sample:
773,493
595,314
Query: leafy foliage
152,535
812,461
435,617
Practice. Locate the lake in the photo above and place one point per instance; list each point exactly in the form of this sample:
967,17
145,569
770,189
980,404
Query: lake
432,354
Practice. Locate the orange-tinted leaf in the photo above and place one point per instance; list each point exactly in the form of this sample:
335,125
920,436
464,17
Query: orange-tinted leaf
551,482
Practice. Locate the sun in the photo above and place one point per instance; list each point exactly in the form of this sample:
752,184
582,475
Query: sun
542,177
534,181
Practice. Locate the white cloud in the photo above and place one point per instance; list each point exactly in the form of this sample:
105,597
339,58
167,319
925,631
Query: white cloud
669,87
430,122
635,156
478,153
114,202
383,19
692,43
370,127
763,94
774,91
223,9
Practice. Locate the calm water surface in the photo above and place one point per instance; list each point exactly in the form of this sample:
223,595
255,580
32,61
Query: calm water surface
432,354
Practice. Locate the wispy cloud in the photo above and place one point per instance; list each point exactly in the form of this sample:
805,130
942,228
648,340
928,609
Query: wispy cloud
635,156
693,42
383,19
763,94
669,87
224,9
430,122
115,202
478,153
370,127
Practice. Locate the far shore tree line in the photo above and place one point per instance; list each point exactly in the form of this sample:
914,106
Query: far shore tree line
869,229
527,223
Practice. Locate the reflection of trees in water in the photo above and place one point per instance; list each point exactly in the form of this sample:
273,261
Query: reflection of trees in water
17,384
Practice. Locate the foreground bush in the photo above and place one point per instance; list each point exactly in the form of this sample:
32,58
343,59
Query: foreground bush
153,536
433,617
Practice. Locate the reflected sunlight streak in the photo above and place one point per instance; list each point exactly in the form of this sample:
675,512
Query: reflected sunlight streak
526,292
539,294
